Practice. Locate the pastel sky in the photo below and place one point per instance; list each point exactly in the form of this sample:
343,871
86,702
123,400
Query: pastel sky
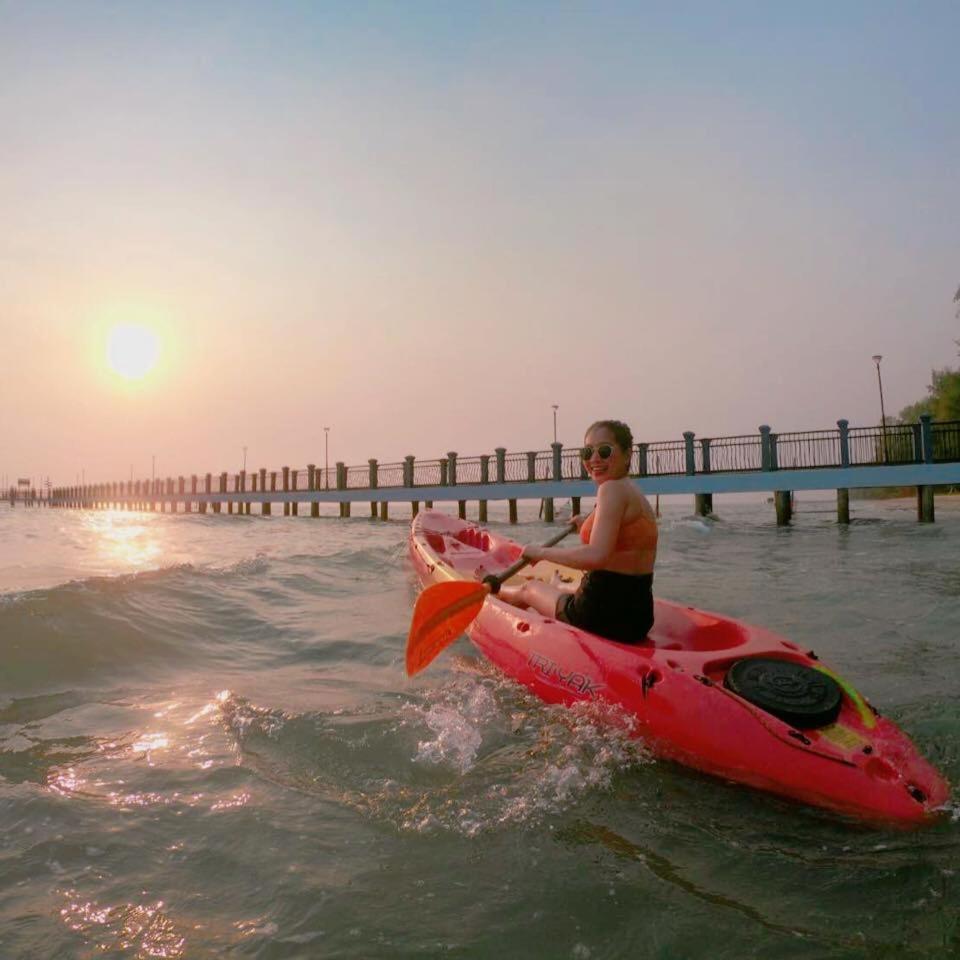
423,223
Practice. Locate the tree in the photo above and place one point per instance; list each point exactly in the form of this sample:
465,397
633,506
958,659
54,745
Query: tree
956,300
942,401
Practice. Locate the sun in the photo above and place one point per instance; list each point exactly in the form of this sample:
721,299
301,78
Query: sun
132,350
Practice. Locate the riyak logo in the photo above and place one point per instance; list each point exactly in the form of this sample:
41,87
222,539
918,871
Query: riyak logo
552,671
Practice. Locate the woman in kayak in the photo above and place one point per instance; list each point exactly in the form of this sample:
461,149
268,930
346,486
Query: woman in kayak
618,552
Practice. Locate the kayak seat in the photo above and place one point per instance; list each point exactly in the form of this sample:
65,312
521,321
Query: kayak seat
681,628
437,542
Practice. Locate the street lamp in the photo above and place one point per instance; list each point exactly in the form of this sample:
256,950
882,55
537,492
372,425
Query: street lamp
244,459
326,458
556,406
883,417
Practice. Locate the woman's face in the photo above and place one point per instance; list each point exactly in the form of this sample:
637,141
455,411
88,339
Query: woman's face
598,441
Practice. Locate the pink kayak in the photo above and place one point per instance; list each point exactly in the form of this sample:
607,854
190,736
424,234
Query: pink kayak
716,694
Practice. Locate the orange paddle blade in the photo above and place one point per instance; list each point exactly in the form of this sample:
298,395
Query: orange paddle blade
442,612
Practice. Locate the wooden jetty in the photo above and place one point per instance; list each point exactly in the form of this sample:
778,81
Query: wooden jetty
921,455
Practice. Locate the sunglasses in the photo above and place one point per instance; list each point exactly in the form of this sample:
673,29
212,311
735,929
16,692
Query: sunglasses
604,451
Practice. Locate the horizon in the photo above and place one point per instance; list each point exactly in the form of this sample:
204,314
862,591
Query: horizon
690,219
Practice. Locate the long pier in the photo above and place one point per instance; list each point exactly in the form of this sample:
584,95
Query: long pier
922,455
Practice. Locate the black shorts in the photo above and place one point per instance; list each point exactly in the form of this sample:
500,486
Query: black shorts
618,606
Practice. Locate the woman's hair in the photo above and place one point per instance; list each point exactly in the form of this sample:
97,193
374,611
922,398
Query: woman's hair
621,432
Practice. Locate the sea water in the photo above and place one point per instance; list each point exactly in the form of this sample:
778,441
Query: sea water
209,748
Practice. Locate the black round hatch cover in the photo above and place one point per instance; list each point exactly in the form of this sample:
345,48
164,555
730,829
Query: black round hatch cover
796,694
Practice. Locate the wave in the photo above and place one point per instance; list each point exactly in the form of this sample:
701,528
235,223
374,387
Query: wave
140,626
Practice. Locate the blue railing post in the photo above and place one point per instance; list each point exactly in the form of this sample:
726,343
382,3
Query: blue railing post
373,472
557,460
443,471
774,462
844,427
408,462
926,437
642,449
705,447
341,476
688,436
484,467
452,468
501,453
531,466
764,447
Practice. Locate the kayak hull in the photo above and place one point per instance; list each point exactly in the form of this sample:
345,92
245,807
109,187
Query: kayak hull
672,693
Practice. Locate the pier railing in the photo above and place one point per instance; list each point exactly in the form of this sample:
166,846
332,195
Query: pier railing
765,451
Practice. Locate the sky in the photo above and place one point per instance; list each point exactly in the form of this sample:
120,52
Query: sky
423,224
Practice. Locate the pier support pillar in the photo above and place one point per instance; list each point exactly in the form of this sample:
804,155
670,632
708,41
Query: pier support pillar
414,507
575,505
428,504
462,509
925,513
781,499
265,508
482,511
512,505
703,504
384,510
548,509
373,509
345,509
843,505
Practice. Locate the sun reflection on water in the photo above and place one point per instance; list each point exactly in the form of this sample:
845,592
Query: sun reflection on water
124,540
143,928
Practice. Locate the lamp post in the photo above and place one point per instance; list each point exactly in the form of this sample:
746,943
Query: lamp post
326,458
556,406
244,458
883,417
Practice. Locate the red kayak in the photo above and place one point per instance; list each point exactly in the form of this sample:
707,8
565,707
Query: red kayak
716,694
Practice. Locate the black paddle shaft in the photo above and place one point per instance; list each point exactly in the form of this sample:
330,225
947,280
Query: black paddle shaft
496,580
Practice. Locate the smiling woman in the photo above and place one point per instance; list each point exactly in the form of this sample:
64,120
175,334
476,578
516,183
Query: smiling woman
132,350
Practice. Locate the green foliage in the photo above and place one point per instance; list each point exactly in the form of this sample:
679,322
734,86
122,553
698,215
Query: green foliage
942,401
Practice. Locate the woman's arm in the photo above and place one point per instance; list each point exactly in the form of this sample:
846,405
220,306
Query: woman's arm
611,505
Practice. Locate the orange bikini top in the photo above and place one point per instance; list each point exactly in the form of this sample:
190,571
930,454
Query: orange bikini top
639,534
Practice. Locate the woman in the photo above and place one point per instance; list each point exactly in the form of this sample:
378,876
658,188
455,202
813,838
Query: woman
618,552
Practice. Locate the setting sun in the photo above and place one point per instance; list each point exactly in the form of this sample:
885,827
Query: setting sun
132,350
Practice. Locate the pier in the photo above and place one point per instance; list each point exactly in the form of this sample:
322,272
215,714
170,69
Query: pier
920,455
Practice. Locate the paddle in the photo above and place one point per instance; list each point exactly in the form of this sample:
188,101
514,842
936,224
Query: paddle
443,611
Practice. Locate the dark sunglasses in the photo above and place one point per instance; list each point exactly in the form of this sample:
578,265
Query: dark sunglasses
604,451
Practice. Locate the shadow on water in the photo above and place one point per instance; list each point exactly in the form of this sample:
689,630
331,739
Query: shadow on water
583,832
